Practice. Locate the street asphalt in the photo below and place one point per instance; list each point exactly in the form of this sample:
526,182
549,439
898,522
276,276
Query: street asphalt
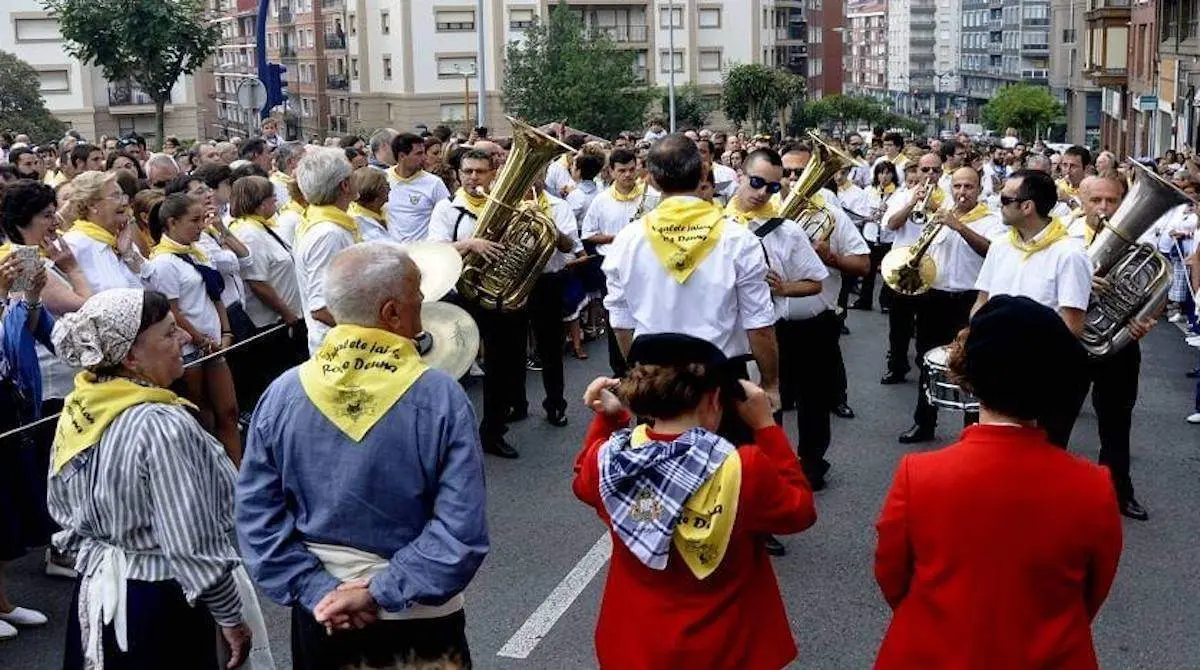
540,532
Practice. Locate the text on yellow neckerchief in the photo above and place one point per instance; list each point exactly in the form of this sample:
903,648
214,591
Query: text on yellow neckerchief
472,201
93,405
167,245
682,232
638,191
706,521
358,374
252,221
321,213
395,178
95,232
356,209
744,217
1052,233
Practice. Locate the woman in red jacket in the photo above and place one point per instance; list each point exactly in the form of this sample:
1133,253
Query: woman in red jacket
691,585
997,551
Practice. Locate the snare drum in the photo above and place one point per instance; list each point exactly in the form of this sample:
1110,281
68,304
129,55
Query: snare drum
941,391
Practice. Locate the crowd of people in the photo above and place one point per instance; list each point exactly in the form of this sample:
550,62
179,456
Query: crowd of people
222,340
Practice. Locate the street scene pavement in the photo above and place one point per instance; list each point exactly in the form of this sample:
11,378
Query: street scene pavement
534,602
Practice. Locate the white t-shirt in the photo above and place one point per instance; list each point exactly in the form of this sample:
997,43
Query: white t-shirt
581,198
411,202
178,280
229,265
608,216
451,222
652,136
908,233
371,230
726,179
286,224
312,254
855,199
558,177
957,263
564,220
100,264
791,255
877,231
1057,276
725,296
272,264
845,241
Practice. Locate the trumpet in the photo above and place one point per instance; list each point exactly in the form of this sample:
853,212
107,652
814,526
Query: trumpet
920,213
910,270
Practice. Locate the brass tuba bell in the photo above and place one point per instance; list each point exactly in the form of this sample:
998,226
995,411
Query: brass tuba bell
824,163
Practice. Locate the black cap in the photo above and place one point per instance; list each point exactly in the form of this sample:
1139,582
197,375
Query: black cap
677,349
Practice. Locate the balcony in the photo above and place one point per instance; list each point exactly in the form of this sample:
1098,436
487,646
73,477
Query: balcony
287,51
285,16
789,34
335,41
125,98
623,34
1107,76
333,4
1114,10
337,82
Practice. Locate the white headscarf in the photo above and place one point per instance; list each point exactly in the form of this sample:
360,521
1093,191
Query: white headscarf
102,332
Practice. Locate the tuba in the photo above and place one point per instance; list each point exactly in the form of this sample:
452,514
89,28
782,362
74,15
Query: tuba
527,233
825,162
1138,275
910,270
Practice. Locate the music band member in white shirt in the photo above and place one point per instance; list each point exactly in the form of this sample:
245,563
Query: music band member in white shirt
1038,260
958,252
414,191
885,183
725,178
620,205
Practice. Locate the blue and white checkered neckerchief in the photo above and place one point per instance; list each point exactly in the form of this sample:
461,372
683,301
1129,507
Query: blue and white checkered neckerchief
644,489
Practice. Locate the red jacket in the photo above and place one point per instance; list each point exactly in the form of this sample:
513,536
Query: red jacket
996,552
654,620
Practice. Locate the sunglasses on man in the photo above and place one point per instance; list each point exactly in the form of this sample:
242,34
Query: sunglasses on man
792,173
1006,200
757,183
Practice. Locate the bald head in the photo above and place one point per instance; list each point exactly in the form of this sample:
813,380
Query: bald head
964,186
377,285
489,146
1100,196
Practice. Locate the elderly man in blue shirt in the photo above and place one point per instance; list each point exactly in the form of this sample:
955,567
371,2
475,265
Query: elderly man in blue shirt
360,501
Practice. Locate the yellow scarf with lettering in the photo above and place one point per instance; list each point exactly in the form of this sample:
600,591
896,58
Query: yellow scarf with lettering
95,232
682,232
978,212
356,209
167,245
639,190
319,213
744,217
1049,235
706,521
93,405
358,374
473,202
251,221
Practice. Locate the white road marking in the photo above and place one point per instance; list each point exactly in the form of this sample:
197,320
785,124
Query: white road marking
538,625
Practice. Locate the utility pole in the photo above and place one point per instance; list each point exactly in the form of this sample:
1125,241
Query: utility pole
671,60
480,65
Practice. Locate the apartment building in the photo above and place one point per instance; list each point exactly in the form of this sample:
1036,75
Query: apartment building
234,66
1079,95
79,95
808,45
1147,132
866,53
923,55
1003,42
1178,73
1105,62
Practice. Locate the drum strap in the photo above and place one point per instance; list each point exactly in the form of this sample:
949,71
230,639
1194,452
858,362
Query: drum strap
769,226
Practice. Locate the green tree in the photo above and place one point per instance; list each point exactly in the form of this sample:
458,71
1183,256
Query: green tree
561,72
1025,107
22,109
691,107
759,94
149,43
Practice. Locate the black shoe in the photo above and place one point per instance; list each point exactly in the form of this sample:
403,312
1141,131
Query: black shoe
845,330
843,411
516,414
858,304
557,417
1132,509
773,546
884,309
1193,373
893,378
916,434
499,447
533,363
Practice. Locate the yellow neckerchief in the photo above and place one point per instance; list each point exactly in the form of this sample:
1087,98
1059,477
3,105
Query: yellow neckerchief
394,175
842,188
356,209
978,212
744,217
167,245
682,232
706,521
473,202
1065,187
293,206
777,201
901,160
251,221
947,170
93,405
543,203
887,190
1052,233
639,191
95,232
282,178
565,161
318,213
358,374
53,178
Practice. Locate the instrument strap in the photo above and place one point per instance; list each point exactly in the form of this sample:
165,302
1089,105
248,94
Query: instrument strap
278,239
769,227
462,211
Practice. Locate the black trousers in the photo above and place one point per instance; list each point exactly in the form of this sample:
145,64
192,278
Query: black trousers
940,315
545,320
901,323
866,293
503,338
809,356
1114,382
616,360
1059,419
387,643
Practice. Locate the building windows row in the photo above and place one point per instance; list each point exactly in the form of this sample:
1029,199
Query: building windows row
706,17
449,67
450,21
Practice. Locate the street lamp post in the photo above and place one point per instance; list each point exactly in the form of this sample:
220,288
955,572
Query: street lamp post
671,61
480,66
466,74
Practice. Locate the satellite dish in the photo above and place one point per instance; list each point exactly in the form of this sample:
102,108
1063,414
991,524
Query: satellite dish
251,94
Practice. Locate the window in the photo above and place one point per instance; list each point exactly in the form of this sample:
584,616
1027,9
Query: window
306,107
519,19
668,16
36,30
454,21
354,68
387,68
453,112
665,57
351,25
357,117
710,60
389,111
385,23
455,66
54,81
710,18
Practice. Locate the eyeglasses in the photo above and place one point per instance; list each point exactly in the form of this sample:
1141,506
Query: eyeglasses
1006,200
792,173
757,183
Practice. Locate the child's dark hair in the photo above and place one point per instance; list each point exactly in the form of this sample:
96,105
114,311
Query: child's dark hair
666,391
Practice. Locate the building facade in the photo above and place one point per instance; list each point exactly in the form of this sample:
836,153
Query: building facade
923,57
1105,62
234,66
810,24
1004,42
1178,73
78,94
866,51
1146,136
1079,95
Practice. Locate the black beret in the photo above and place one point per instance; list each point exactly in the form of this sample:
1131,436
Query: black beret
678,350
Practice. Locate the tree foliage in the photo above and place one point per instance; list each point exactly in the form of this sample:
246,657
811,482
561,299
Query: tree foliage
692,109
758,93
1025,107
559,72
846,112
150,43
22,109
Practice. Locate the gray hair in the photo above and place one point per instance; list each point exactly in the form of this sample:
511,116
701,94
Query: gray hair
1038,162
382,138
320,174
160,160
286,152
362,277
